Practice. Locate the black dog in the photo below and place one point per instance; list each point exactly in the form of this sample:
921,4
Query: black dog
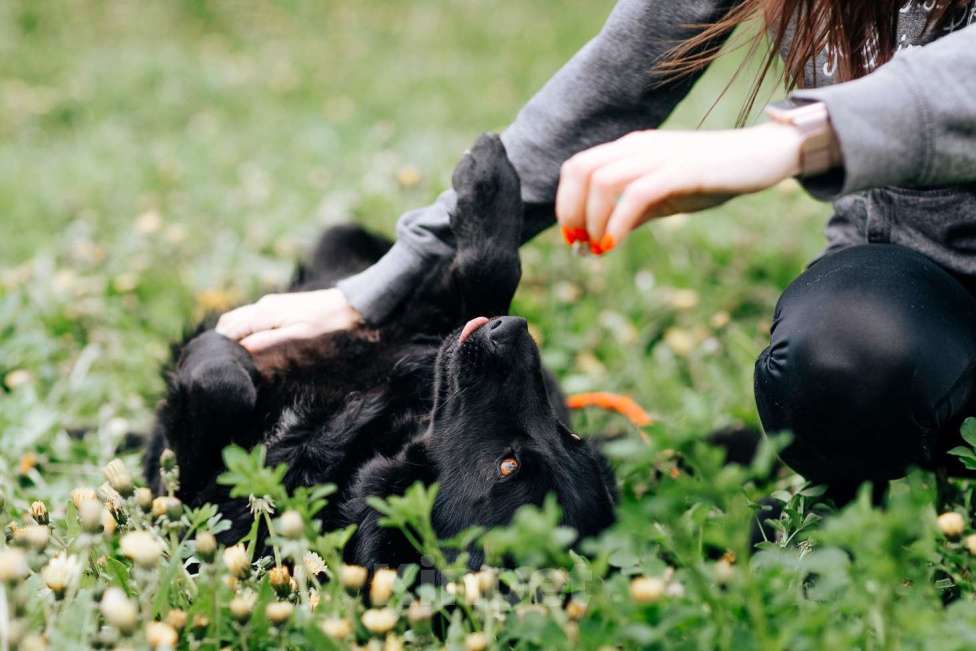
439,395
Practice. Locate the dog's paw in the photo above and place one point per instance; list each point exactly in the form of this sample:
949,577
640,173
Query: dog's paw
485,178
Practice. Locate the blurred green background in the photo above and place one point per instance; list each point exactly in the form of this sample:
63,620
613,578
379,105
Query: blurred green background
161,158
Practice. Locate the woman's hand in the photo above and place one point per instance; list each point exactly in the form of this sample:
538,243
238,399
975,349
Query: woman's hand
279,318
607,191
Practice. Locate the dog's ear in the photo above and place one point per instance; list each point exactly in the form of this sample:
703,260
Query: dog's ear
487,225
373,544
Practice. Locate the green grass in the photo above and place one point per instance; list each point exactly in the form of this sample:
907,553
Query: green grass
158,157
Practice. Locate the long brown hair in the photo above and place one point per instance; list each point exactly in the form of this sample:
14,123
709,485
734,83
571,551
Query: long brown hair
856,36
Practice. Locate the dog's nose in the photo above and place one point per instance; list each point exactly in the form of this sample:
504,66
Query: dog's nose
507,328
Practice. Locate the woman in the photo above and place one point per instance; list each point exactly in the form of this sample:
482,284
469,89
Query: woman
873,348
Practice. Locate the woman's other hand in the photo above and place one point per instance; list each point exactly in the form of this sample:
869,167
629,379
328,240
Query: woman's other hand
279,318
609,190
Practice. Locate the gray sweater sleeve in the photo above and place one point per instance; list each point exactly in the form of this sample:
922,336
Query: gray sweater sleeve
605,91
911,122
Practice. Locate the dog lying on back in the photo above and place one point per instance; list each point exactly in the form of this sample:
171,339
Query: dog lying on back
451,391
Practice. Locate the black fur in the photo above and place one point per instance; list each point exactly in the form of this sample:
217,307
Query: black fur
373,411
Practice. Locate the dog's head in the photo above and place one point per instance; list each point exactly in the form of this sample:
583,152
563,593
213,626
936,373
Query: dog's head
497,440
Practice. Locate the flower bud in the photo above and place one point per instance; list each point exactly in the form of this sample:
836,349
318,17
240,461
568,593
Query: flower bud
109,523
381,589
379,620
290,525
236,560
352,577
118,477
476,642
392,643
167,506
280,580
13,565
336,628
576,609
242,605
33,642
419,612
35,536
970,543
144,498
472,588
111,497
205,546
167,459
119,611
951,524
200,625
278,612
176,618
647,589
39,512
61,573
142,548
82,493
723,571
161,634
90,516
487,580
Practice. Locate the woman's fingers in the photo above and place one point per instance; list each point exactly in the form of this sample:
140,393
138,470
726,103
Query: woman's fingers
574,184
637,203
247,319
606,185
267,339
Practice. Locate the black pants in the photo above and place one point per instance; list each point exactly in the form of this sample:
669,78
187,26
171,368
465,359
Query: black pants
870,365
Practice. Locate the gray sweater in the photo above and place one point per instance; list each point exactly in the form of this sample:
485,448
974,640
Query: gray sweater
907,132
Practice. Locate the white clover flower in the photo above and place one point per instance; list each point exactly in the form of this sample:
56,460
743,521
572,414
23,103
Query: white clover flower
352,577
142,548
336,628
118,610
61,573
161,635
313,563
381,588
291,525
236,560
278,612
118,476
13,565
647,589
379,620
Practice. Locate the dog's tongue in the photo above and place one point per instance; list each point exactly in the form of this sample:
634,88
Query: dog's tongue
470,327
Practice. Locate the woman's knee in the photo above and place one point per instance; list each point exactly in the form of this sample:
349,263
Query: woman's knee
867,360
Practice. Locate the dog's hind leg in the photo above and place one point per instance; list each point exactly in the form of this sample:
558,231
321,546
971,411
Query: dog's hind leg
341,251
211,402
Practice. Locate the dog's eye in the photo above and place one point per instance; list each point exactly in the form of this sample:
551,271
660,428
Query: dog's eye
508,466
